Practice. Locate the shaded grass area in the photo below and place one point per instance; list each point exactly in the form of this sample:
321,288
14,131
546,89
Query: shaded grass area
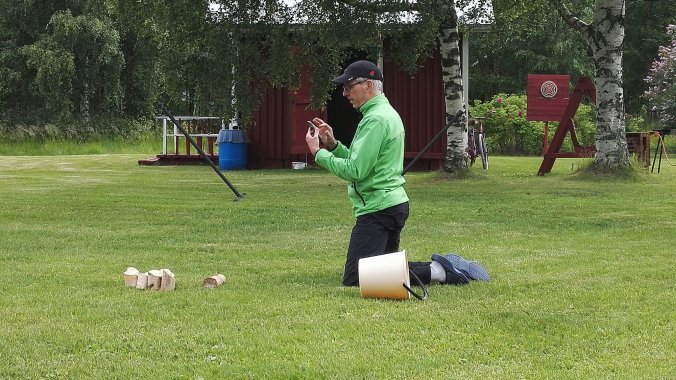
582,270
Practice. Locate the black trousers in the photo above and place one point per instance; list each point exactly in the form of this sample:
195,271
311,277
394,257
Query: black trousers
375,234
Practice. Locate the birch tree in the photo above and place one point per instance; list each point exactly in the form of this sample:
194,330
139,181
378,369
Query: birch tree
605,37
451,71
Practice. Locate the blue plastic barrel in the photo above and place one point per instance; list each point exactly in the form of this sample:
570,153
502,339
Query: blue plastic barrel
232,149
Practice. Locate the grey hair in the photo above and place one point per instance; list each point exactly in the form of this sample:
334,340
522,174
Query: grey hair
378,85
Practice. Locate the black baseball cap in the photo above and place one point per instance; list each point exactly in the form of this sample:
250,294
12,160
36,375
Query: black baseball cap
360,69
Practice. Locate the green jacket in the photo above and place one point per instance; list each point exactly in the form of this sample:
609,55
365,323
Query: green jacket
374,161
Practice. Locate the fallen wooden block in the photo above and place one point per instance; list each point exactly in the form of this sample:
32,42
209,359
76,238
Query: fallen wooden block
214,281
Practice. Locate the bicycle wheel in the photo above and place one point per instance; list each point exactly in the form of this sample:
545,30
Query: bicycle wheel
483,151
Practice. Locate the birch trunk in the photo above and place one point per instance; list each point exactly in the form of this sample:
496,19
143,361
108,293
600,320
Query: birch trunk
84,97
84,103
605,37
456,134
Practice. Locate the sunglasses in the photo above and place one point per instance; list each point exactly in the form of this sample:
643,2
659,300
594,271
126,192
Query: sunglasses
347,87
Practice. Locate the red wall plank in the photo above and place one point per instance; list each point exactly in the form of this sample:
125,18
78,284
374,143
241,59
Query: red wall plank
420,103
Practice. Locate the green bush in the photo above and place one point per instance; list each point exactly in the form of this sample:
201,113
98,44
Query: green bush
508,132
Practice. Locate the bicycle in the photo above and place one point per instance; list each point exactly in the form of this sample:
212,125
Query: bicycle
476,142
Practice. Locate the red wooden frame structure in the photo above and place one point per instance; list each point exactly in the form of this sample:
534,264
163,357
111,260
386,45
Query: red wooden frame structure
584,86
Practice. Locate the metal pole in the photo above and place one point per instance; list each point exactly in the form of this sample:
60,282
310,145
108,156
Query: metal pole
434,139
201,152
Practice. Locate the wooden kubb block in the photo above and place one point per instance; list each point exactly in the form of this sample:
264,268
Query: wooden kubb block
131,277
168,280
163,279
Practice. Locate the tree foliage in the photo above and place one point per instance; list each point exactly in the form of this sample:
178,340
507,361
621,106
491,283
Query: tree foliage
141,76
70,58
78,64
260,44
21,23
646,22
528,37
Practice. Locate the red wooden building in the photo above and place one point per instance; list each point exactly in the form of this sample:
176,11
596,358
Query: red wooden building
278,136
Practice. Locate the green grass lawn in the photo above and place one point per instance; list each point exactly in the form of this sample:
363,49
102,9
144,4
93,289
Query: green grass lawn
583,275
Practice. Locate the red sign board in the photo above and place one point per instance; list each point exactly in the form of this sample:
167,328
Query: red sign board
548,96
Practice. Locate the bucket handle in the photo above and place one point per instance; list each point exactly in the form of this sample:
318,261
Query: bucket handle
416,295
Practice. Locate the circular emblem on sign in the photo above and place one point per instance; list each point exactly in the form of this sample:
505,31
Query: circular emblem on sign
549,89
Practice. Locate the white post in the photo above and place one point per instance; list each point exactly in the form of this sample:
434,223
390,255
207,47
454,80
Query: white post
164,135
176,137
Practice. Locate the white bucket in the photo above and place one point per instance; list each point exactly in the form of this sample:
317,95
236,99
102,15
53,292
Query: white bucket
386,276
298,165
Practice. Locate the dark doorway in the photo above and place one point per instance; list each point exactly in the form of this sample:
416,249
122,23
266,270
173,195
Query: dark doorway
341,116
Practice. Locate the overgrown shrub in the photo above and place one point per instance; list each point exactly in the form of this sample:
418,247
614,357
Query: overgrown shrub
508,132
